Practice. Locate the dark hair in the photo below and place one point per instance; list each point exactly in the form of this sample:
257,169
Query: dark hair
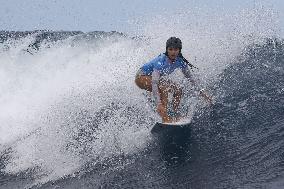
186,61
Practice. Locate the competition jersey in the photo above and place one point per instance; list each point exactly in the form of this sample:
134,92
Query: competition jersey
163,65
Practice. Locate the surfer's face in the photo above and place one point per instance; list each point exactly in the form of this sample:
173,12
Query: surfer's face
173,53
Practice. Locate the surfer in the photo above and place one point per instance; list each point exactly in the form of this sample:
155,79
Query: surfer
152,77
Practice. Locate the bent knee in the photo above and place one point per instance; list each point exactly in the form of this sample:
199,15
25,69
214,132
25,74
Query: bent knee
138,82
144,82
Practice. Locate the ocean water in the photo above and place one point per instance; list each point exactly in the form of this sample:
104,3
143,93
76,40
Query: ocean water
72,117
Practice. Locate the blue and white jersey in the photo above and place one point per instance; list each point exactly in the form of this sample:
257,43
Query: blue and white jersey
163,65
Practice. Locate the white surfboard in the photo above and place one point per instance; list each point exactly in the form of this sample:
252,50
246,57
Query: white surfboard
181,122
158,127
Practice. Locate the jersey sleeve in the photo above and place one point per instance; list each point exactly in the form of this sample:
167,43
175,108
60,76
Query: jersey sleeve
149,66
157,64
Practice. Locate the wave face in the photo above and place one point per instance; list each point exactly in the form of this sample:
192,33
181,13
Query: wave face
71,116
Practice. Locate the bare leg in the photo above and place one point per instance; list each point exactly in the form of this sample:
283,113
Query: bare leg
164,100
176,98
166,86
176,101
145,82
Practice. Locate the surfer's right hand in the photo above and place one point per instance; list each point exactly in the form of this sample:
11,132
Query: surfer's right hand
208,98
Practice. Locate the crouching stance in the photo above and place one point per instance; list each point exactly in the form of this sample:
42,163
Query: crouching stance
150,77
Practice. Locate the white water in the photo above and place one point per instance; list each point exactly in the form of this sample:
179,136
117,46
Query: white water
46,99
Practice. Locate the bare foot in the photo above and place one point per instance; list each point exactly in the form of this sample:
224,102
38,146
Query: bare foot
168,120
178,118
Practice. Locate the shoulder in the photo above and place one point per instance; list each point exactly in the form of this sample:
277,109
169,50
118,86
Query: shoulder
158,61
160,58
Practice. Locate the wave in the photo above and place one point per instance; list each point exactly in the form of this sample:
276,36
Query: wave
69,110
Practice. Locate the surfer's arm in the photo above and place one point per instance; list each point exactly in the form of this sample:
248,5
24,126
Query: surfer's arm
188,75
155,88
197,87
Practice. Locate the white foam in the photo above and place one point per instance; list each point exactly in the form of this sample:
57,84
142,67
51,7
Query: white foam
44,96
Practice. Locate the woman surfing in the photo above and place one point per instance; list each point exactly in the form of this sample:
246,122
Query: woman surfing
152,77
